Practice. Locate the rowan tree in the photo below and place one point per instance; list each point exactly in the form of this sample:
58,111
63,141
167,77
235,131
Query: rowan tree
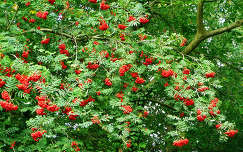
89,76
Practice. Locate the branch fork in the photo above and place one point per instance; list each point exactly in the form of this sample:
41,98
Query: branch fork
202,33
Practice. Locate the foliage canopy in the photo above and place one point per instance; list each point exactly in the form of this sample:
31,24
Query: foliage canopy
120,75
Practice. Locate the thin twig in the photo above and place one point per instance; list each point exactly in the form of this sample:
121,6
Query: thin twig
10,23
76,48
6,17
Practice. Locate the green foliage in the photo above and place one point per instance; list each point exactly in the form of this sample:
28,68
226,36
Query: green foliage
103,124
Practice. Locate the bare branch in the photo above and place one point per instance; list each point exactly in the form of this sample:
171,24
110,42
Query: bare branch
193,44
12,20
51,31
202,34
224,29
80,37
200,37
200,26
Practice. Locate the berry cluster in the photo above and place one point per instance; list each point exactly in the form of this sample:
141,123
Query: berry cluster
75,146
62,49
199,116
37,135
45,103
8,106
85,102
181,142
124,69
42,15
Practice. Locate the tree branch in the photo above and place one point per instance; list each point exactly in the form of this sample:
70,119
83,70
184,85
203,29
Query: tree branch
224,29
79,37
200,26
202,34
51,31
11,22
